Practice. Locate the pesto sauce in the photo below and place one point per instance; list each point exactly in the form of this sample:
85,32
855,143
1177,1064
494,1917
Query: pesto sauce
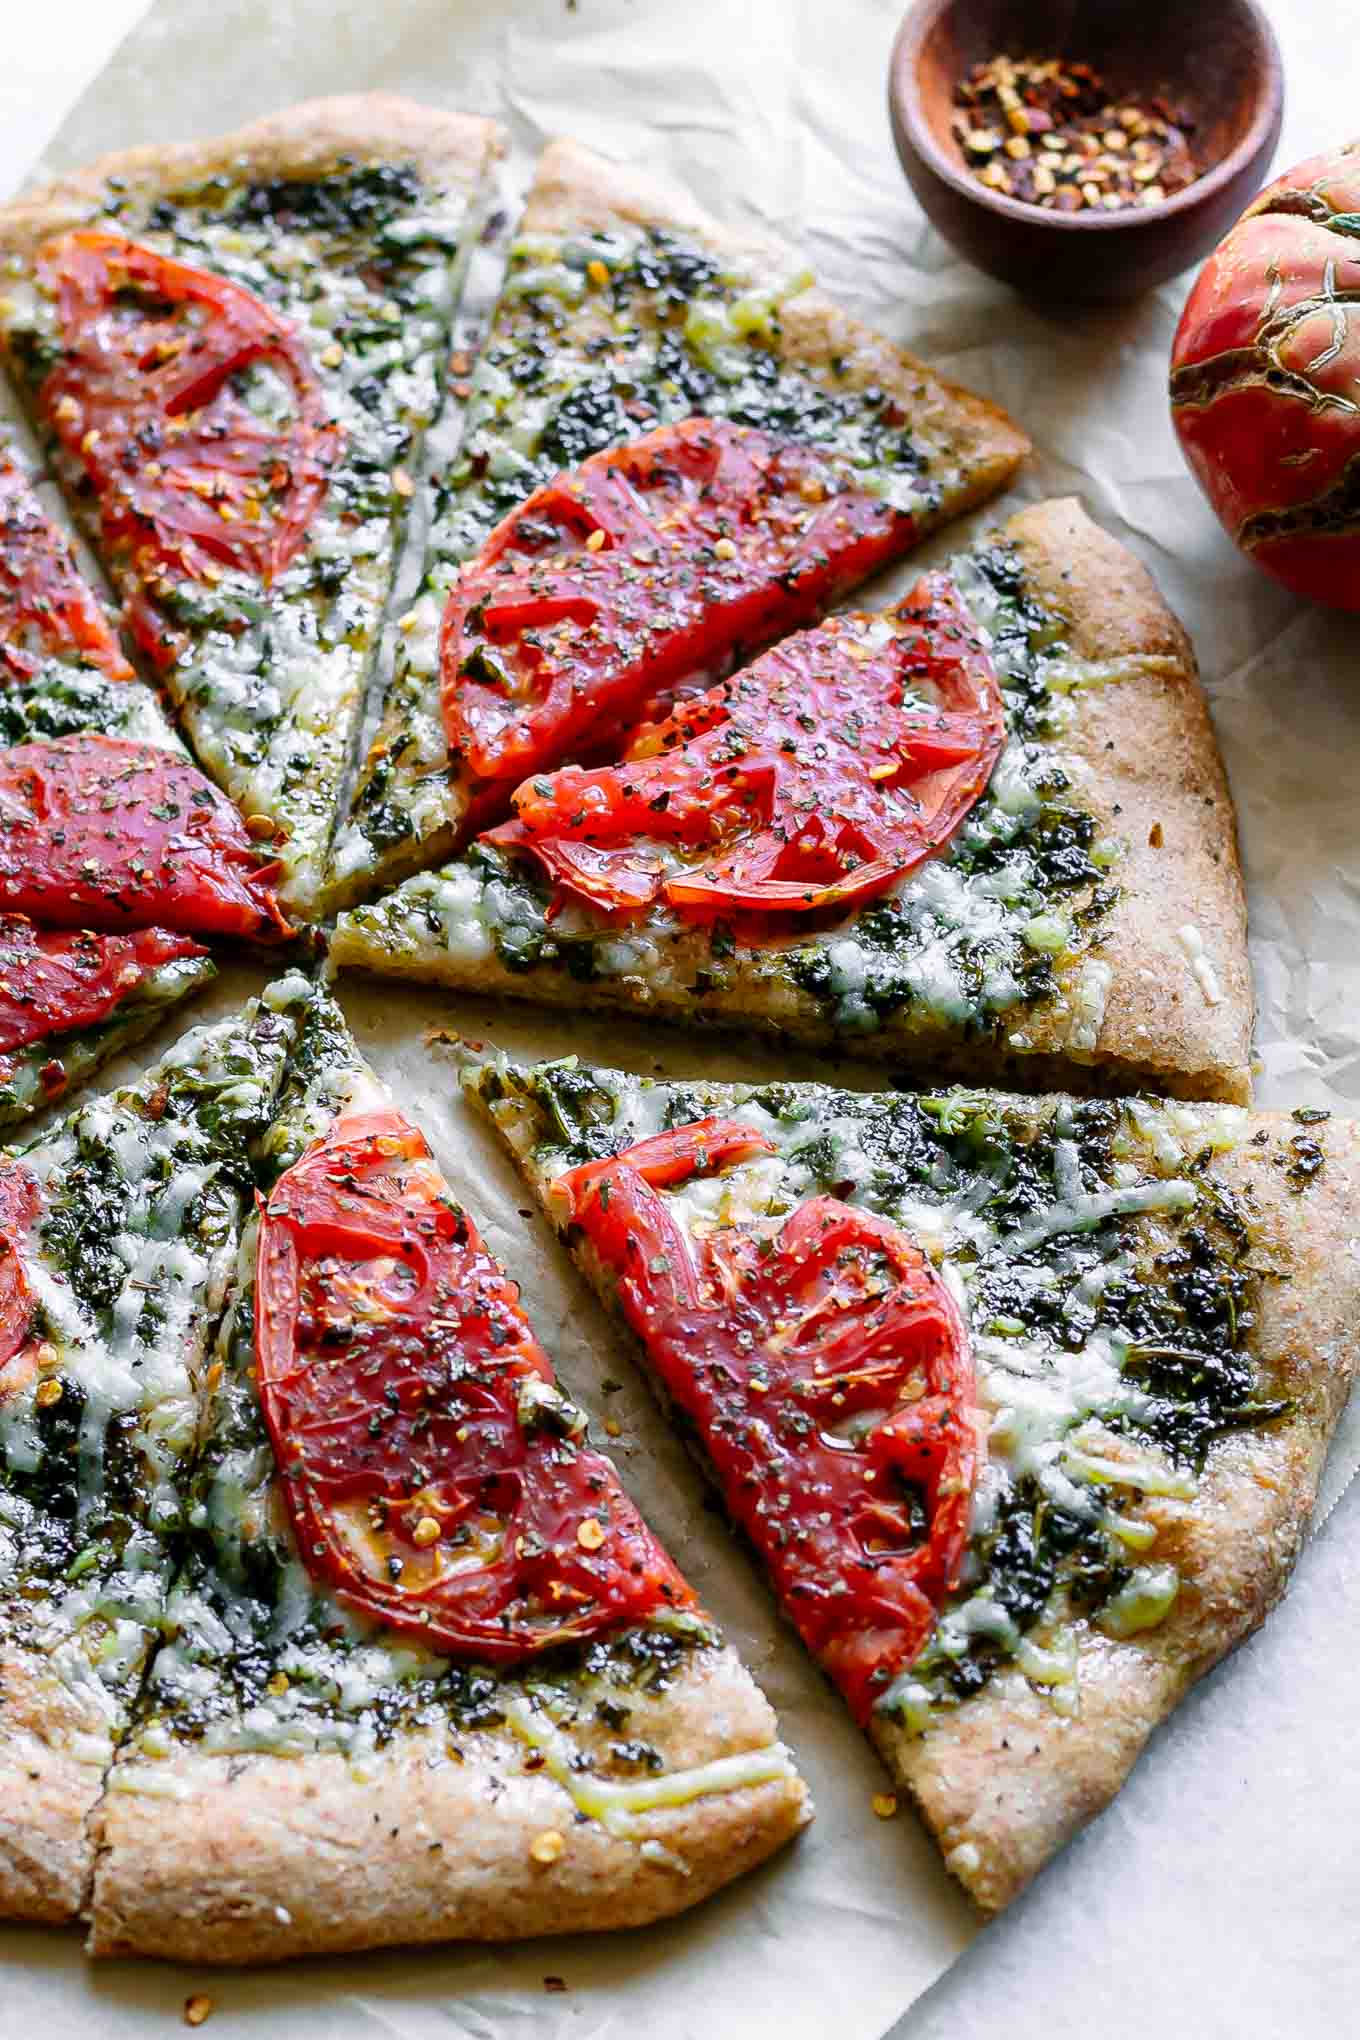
140,1195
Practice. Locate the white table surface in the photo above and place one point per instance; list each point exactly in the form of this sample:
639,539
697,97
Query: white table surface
1259,1949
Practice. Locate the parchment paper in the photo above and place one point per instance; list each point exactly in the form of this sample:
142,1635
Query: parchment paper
1207,1900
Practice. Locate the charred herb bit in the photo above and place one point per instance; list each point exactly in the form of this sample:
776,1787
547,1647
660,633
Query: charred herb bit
673,271
1308,1161
1309,1115
590,417
363,199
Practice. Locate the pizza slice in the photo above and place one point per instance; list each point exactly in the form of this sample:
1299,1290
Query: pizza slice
626,309
119,1231
984,833
62,667
1022,1403
231,349
428,1675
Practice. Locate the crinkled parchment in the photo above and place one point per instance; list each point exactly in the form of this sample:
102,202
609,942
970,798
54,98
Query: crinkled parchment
1206,1900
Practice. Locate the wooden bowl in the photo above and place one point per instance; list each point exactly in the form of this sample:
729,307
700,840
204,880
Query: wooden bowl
1215,59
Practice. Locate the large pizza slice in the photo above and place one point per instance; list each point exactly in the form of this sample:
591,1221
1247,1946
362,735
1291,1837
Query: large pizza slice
427,1673
986,832
118,1233
231,349
1021,1402
626,309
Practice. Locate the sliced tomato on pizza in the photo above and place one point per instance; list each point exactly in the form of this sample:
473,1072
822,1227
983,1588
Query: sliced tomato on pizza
46,608
652,566
827,1371
71,994
434,1475
71,998
232,353
809,782
417,1596
150,396
96,832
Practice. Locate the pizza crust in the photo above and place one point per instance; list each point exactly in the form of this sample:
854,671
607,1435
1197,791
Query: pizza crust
1007,1780
303,139
248,1858
1145,761
47,1790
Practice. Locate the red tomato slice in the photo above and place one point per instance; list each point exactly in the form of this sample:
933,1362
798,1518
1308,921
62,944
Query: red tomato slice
45,607
649,565
828,1371
429,1477
812,780
188,477
18,1209
53,980
98,832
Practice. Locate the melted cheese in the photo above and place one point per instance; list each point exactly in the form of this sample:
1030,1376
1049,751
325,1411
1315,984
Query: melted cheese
621,1806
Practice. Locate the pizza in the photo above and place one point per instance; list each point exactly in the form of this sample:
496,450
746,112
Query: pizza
119,1231
231,350
343,1582
625,309
1022,1403
985,833
325,1624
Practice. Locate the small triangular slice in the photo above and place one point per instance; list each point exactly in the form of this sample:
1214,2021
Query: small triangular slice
119,1234
802,851
479,1702
231,349
627,308
1023,1402
62,667
72,998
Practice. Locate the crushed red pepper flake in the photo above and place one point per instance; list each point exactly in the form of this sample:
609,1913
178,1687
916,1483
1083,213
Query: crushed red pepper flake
1052,134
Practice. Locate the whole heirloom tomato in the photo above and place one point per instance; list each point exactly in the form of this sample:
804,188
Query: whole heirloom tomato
1265,379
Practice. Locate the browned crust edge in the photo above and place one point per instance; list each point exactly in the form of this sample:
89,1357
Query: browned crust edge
1006,1780
253,1858
1145,760
306,137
